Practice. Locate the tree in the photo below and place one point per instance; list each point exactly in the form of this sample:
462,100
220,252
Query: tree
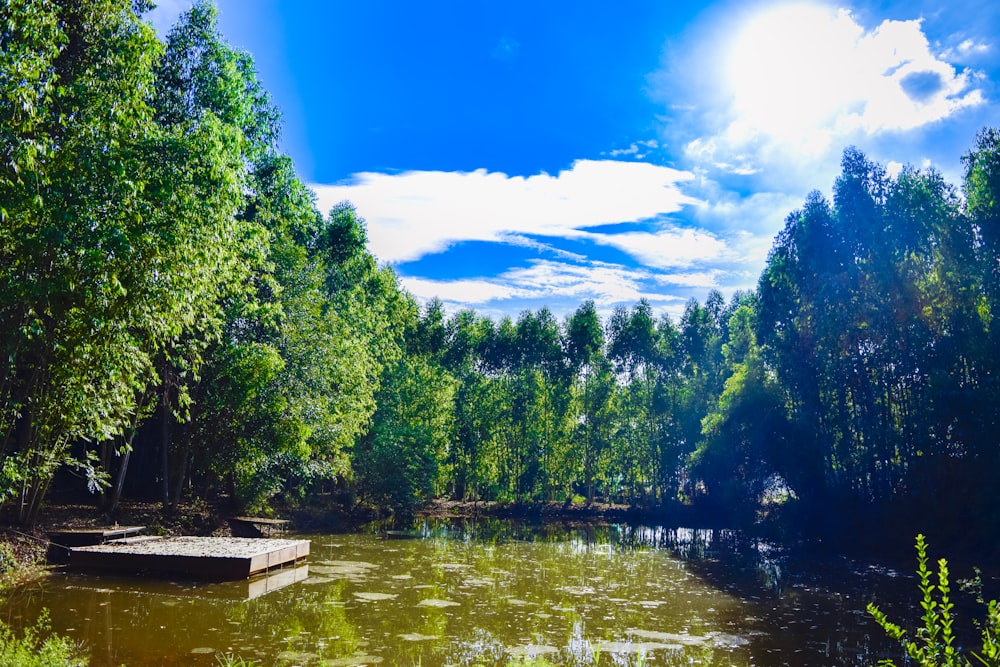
118,234
585,353
746,430
397,462
634,348
201,80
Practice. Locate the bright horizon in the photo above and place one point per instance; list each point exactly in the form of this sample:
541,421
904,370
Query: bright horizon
525,154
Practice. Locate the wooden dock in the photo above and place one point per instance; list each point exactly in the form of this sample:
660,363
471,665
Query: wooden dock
62,540
255,526
78,537
195,557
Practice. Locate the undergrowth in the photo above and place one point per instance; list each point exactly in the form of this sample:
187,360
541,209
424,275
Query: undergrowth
934,644
38,647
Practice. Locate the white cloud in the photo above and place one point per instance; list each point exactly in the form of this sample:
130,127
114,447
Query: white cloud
468,292
639,150
802,78
668,248
416,213
703,279
967,48
607,284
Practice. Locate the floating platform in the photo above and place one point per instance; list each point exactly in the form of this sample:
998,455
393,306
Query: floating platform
78,537
195,557
254,526
62,540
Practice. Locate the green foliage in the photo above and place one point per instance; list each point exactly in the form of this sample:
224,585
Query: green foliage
38,647
159,257
121,236
934,644
397,462
8,561
231,660
871,316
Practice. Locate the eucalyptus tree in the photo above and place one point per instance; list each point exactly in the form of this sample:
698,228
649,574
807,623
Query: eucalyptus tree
871,316
250,410
510,401
935,384
202,81
981,186
735,462
798,305
470,467
397,462
119,234
634,349
595,390
670,447
542,391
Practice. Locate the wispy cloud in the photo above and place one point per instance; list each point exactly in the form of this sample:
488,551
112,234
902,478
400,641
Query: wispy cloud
565,283
638,150
672,247
966,48
468,292
417,213
704,279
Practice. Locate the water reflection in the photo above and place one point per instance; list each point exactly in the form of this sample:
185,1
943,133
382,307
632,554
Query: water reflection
486,592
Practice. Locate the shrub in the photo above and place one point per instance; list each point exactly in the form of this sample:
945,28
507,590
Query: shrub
934,645
38,647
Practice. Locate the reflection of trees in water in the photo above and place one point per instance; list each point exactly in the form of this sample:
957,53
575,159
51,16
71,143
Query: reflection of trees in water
473,592
312,622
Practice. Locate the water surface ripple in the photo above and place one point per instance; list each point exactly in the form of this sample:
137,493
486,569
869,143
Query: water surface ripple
488,593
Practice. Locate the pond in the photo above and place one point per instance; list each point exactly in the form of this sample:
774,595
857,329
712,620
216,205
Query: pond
487,593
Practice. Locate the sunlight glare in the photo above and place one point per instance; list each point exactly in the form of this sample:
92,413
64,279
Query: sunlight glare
784,72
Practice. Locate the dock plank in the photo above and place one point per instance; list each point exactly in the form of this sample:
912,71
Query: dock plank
198,557
254,526
78,537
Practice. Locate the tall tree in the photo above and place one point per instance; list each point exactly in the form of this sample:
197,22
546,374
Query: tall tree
118,233
397,462
585,353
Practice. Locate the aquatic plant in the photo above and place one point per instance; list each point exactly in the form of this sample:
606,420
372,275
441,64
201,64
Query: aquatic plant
38,647
934,645
230,660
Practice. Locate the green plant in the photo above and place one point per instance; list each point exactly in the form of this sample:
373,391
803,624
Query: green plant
230,660
8,561
934,645
38,647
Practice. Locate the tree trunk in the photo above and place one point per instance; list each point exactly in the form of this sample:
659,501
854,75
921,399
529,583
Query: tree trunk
165,446
181,478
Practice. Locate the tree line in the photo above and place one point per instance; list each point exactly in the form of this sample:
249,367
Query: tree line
177,318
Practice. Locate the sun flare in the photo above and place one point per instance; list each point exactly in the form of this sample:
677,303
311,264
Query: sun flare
785,71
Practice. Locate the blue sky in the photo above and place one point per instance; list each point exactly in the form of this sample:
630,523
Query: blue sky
513,155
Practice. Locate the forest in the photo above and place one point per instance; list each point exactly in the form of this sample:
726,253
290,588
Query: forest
178,320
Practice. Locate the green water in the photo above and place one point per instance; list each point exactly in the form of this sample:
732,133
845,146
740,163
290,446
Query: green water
484,594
